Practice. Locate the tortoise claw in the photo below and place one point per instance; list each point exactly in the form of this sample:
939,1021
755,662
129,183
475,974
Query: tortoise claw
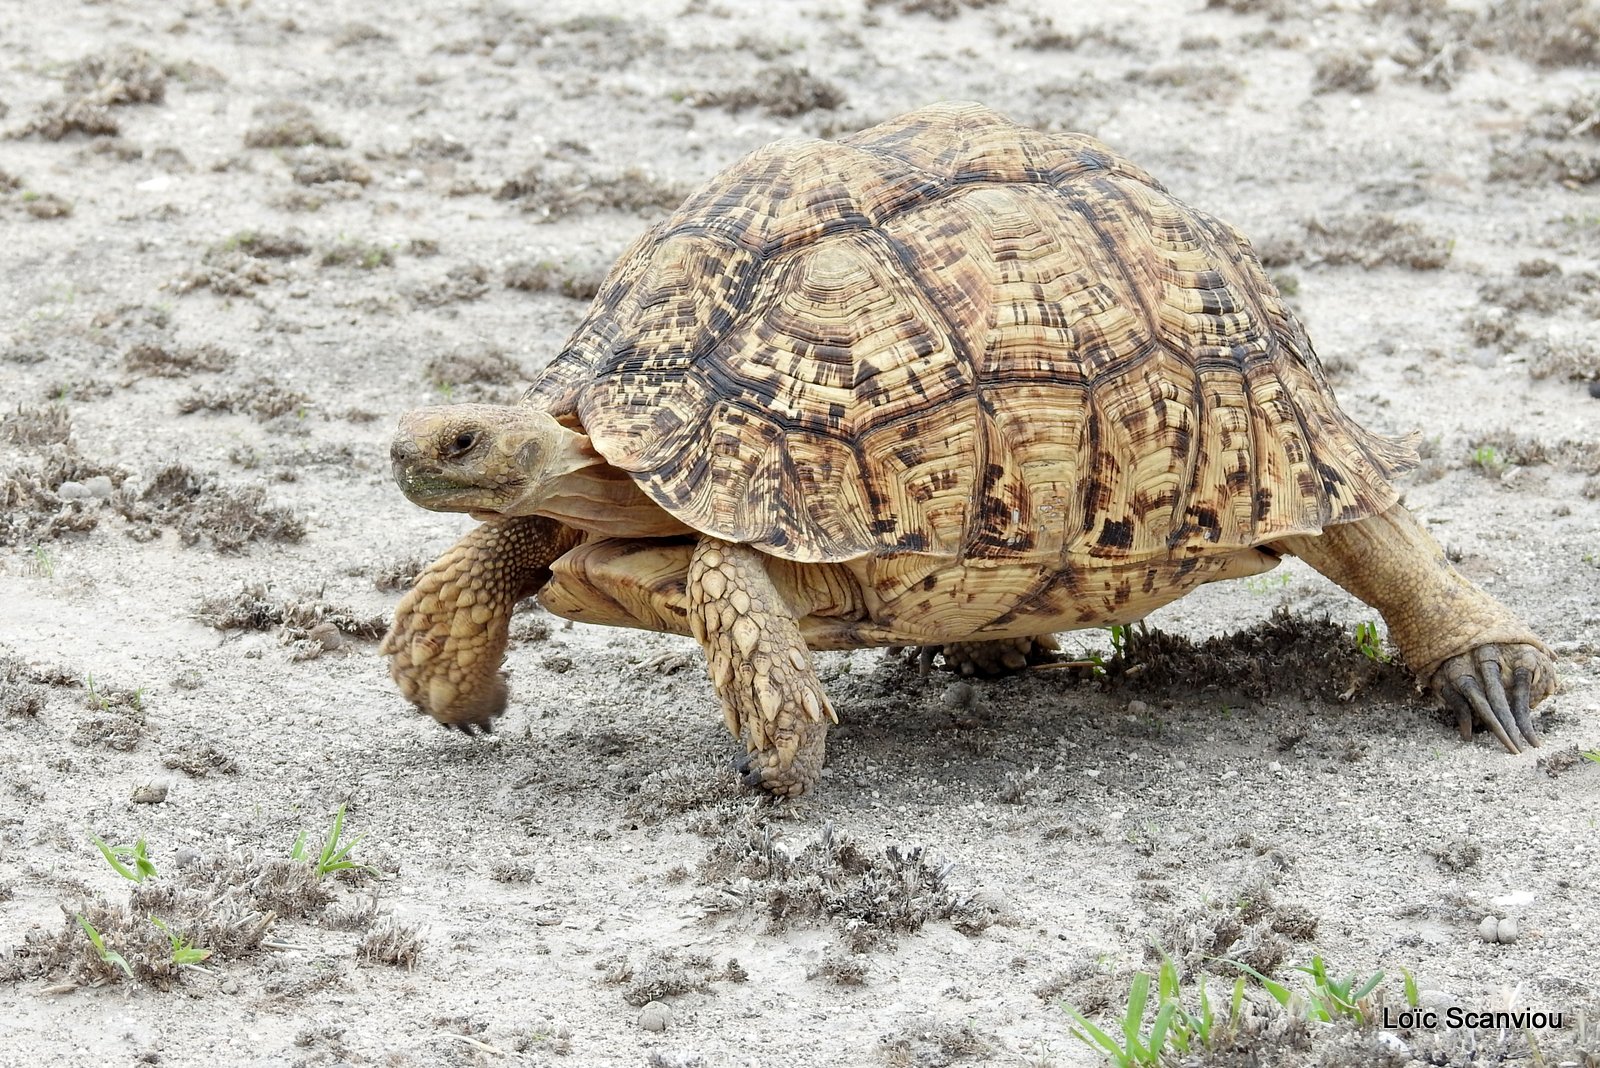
763,769
748,773
1473,686
469,729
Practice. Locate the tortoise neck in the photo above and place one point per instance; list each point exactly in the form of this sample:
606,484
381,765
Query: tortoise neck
582,490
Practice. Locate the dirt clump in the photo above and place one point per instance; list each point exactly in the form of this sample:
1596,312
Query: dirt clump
1366,239
780,90
556,190
470,368
871,899
117,77
1248,925
288,124
1284,654
1344,71
255,607
262,400
578,281
176,361
664,973
943,10
463,282
201,508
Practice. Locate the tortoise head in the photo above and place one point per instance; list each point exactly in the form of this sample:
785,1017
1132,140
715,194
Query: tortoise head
484,458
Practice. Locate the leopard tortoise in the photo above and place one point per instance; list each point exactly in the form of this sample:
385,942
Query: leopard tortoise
948,381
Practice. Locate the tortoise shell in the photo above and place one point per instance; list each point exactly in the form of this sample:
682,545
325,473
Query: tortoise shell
956,336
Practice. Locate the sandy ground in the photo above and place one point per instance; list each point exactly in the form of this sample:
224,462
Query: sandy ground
240,238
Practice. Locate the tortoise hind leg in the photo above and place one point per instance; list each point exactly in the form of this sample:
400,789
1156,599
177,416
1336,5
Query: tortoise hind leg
989,656
760,667
1470,649
450,629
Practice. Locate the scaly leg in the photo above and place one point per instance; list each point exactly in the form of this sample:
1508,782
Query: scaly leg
1480,659
989,656
760,666
450,629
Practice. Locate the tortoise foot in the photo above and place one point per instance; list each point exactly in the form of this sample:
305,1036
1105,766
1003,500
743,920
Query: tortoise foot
1496,686
765,769
1000,656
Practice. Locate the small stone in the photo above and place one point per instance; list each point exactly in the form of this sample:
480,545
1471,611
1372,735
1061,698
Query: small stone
1274,767
959,695
1392,1043
230,986
151,793
1507,931
98,486
72,491
504,54
655,1016
1489,929
186,857
1138,709
328,635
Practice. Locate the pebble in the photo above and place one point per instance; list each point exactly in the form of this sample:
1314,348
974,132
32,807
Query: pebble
230,986
151,793
186,857
327,635
655,1016
1392,1043
72,491
504,54
1489,929
98,486
1138,709
1508,931
959,695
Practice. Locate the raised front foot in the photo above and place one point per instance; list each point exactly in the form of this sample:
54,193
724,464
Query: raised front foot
759,664
766,769
1497,686
999,656
449,631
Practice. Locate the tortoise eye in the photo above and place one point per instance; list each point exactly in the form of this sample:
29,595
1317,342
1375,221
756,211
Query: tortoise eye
463,443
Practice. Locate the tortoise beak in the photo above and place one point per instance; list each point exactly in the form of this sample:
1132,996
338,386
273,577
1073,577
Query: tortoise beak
417,478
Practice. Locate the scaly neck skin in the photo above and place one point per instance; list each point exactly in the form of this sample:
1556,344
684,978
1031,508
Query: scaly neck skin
604,501
579,488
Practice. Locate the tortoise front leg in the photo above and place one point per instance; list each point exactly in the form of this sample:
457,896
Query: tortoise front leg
450,629
760,666
1476,655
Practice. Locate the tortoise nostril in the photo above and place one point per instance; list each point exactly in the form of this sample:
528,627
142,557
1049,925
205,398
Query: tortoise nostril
403,451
